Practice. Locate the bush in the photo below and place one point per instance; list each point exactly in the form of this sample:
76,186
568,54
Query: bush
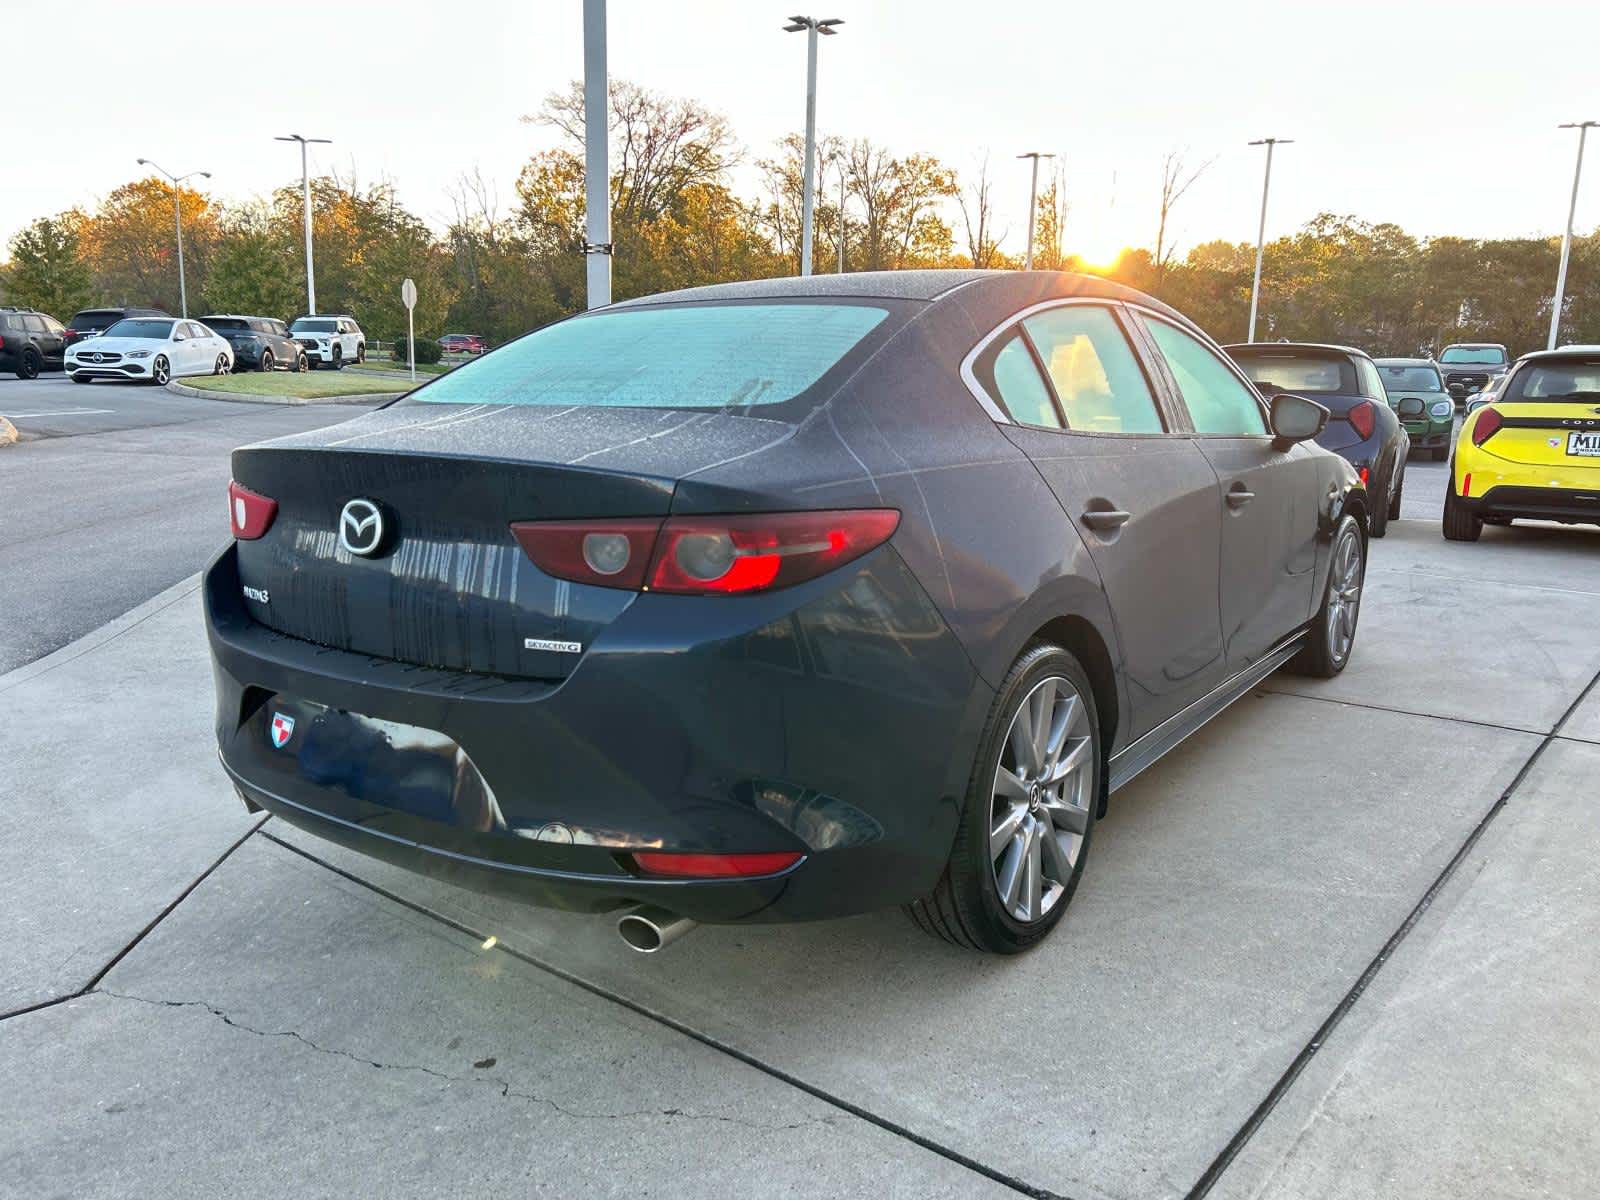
428,351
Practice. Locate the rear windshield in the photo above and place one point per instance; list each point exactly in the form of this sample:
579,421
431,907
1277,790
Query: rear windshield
310,326
1410,379
1577,381
1300,373
686,356
1479,356
140,327
227,324
96,319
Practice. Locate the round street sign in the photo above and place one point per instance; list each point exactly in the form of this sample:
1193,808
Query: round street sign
408,294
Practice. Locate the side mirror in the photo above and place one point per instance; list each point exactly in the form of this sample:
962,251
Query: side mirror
1412,407
178,337
1294,419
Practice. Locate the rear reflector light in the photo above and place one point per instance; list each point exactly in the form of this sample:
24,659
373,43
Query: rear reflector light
1466,484
1488,421
713,866
1363,417
249,513
705,555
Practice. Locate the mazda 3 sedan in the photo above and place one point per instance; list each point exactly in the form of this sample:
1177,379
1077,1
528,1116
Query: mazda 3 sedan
778,600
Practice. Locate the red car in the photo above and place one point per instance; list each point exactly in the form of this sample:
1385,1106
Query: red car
463,343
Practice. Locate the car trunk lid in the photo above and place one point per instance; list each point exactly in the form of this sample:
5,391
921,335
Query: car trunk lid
1548,433
448,586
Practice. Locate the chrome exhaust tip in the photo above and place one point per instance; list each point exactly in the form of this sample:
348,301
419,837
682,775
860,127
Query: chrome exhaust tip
648,929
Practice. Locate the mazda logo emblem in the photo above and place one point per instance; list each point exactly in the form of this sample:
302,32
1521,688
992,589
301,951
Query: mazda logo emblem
361,527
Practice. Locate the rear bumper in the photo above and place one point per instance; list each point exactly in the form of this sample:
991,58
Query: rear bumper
1569,505
839,725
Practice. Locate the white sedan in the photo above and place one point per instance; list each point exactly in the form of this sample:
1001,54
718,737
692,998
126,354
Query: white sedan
154,349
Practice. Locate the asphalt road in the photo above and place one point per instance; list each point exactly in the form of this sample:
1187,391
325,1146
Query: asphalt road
114,492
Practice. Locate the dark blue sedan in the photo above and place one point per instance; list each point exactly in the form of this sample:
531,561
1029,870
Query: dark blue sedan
778,600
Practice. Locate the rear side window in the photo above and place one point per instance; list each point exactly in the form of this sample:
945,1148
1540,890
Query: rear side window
36,324
1020,388
1218,402
727,356
1096,377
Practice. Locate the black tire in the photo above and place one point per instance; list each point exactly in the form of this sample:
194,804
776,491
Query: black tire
965,907
338,358
1378,521
302,364
160,371
1440,453
222,366
1318,657
1459,523
28,365
1394,505
267,362
361,353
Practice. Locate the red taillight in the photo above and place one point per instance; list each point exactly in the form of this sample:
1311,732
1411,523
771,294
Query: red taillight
606,553
705,555
1363,417
1484,429
249,513
1364,473
713,866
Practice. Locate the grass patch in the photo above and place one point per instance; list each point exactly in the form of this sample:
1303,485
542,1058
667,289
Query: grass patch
308,385
388,364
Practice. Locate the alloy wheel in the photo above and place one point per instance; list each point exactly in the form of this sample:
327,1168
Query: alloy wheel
160,371
222,365
1344,595
266,360
1044,788
301,363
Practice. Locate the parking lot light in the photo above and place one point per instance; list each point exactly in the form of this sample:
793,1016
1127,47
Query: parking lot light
1261,229
177,212
812,27
1583,128
305,194
1033,196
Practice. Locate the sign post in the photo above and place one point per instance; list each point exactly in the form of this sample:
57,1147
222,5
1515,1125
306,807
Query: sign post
408,297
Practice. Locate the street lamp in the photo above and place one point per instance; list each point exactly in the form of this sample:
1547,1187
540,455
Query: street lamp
1261,230
1033,195
305,193
177,213
1583,128
813,27
597,244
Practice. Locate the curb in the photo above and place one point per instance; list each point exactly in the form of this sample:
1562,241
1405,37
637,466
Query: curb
8,432
98,637
178,389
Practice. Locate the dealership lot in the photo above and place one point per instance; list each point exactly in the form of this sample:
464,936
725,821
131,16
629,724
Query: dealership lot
1340,943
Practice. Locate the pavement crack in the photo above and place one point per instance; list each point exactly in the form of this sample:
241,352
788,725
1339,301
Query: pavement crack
502,1086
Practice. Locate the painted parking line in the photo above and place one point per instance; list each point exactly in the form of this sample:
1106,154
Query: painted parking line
60,412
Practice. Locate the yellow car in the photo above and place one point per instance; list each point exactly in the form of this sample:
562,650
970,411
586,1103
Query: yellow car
1534,451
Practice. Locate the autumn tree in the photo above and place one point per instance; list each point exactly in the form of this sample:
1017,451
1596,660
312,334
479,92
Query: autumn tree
131,243
47,270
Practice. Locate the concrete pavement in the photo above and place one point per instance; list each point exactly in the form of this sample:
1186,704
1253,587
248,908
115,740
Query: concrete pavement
1342,919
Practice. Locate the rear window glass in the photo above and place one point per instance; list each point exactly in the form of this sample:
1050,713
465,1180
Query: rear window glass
230,324
96,319
1410,379
305,326
686,356
140,327
1300,373
1556,381
1484,356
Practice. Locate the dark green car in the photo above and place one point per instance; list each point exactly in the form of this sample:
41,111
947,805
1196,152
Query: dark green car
1417,394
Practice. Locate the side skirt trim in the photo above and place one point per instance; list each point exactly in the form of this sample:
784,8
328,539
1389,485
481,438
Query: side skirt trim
1131,760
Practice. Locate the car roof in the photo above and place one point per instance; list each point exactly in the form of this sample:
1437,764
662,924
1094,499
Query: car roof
1405,362
1562,354
1281,346
235,317
1476,346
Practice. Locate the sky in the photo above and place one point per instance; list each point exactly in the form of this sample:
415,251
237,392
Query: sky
1440,117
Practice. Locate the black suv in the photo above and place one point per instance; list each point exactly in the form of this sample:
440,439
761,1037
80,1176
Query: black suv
92,321
30,342
259,343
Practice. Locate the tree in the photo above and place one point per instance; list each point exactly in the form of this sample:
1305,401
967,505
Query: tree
47,270
1174,183
899,199
977,214
1051,217
254,269
131,244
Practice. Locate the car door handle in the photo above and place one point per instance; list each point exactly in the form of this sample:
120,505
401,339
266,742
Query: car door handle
1105,519
1239,496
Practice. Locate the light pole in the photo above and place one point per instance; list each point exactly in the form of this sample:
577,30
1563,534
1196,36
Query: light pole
1583,128
597,246
1033,195
177,214
841,218
813,27
1261,229
305,200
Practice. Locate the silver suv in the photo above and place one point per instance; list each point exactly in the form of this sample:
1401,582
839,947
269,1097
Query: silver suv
330,341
